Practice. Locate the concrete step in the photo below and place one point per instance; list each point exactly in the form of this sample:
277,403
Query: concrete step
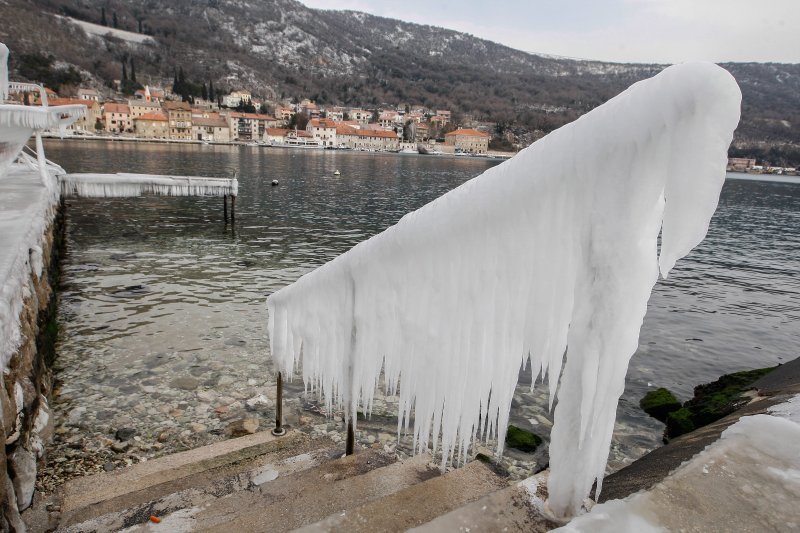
515,508
288,503
417,504
121,495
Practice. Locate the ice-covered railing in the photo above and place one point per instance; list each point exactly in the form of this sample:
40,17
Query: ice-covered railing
18,122
123,185
549,256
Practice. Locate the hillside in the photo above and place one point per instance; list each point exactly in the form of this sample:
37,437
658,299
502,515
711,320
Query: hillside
281,49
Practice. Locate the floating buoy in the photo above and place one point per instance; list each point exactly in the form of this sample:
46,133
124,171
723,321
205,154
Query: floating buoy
336,173
274,182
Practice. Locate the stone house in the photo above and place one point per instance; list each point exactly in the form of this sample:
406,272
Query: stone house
370,140
211,128
468,141
152,126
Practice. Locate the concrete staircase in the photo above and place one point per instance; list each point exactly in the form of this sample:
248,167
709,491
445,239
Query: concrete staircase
266,483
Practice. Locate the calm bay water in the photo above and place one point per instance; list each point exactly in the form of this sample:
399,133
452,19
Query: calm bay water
163,307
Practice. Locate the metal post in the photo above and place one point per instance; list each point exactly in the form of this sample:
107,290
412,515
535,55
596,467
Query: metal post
225,207
278,430
351,439
233,207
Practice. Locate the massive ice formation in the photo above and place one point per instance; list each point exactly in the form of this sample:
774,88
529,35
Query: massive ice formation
551,255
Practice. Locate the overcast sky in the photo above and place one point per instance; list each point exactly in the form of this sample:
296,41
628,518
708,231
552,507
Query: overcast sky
666,31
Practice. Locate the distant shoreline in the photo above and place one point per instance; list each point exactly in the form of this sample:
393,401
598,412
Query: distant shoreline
112,138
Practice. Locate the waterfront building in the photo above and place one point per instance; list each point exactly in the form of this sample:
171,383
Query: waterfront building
367,139
323,130
140,107
276,135
740,164
179,115
211,128
468,140
87,123
117,117
249,126
153,125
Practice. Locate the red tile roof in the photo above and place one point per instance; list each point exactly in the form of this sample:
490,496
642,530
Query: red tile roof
177,106
254,116
71,101
157,116
467,132
322,123
110,107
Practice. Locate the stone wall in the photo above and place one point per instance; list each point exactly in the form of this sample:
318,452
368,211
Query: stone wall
26,385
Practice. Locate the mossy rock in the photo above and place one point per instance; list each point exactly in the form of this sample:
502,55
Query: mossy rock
659,403
679,422
522,440
713,401
720,398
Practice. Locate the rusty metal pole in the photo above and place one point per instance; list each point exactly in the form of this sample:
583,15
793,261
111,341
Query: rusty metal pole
225,207
279,430
351,439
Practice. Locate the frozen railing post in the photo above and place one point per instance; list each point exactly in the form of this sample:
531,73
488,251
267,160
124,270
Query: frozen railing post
556,248
278,430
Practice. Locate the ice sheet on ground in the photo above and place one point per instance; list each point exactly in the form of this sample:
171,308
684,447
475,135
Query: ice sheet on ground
26,209
556,247
749,480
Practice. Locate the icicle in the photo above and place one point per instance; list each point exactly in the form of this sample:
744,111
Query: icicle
3,72
551,255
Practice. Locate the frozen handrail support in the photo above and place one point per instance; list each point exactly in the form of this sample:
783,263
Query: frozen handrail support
18,122
551,256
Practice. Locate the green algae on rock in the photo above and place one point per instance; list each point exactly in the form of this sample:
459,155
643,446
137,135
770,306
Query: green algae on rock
713,401
659,403
522,440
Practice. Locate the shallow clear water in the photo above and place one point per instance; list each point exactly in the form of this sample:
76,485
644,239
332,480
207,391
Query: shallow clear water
158,289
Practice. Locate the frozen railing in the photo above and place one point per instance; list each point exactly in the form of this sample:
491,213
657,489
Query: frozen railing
554,251
19,122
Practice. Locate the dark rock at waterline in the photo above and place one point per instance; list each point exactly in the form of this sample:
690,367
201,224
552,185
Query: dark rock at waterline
522,440
659,403
713,401
124,434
